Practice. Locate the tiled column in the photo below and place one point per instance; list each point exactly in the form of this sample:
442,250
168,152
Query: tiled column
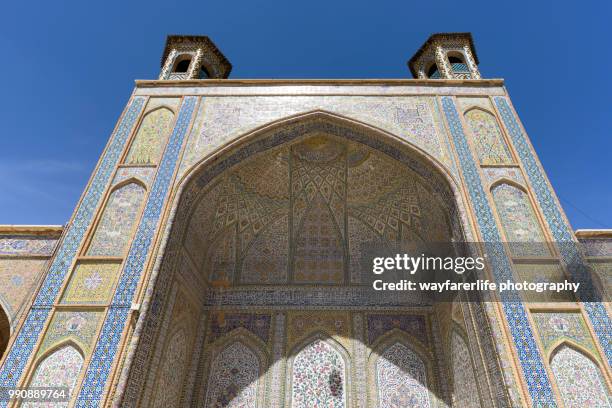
532,364
99,369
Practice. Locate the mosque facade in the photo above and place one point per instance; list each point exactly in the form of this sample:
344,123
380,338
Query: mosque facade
213,259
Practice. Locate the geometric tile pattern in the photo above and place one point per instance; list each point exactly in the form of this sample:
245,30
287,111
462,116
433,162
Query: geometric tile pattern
379,324
258,324
91,283
538,383
401,378
560,230
234,383
11,370
465,390
112,329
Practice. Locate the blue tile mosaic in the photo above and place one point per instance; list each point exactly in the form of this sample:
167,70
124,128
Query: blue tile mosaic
27,337
538,383
97,373
560,229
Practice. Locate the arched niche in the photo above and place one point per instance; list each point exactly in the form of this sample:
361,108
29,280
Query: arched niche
265,185
318,373
58,367
579,378
400,373
487,137
148,144
113,230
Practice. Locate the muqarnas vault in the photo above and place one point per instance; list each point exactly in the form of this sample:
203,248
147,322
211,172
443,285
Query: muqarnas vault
211,260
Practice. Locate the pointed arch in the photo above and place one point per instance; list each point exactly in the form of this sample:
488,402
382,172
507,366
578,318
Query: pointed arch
465,388
579,377
487,137
336,124
119,217
506,180
58,367
318,373
399,369
150,139
237,364
519,220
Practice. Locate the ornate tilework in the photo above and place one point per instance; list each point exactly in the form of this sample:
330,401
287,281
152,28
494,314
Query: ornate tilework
104,353
91,283
487,138
492,174
172,371
465,391
538,383
78,326
579,380
318,377
150,140
226,118
302,324
18,277
113,232
144,174
519,221
379,324
467,102
553,327
233,379
535,272
401,378
60,369
560,229
597,246
278,362
25,244
258,324
281,215
18,355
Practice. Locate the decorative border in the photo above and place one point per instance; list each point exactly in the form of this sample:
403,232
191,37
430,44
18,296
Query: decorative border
99,368
561,231
532,363
23,346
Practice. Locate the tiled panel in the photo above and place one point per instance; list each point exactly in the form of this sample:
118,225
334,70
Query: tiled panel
561,231
534,372
104,352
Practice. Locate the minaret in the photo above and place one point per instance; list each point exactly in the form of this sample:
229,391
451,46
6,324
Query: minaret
193,57
446,56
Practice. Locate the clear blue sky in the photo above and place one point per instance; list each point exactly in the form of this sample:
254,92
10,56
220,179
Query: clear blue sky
68,70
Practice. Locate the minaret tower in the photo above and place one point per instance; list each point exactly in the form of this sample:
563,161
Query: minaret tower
193,57
446,56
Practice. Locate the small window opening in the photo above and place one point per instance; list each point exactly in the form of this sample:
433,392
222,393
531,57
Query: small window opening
182,65
203,73
458,64
433,72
